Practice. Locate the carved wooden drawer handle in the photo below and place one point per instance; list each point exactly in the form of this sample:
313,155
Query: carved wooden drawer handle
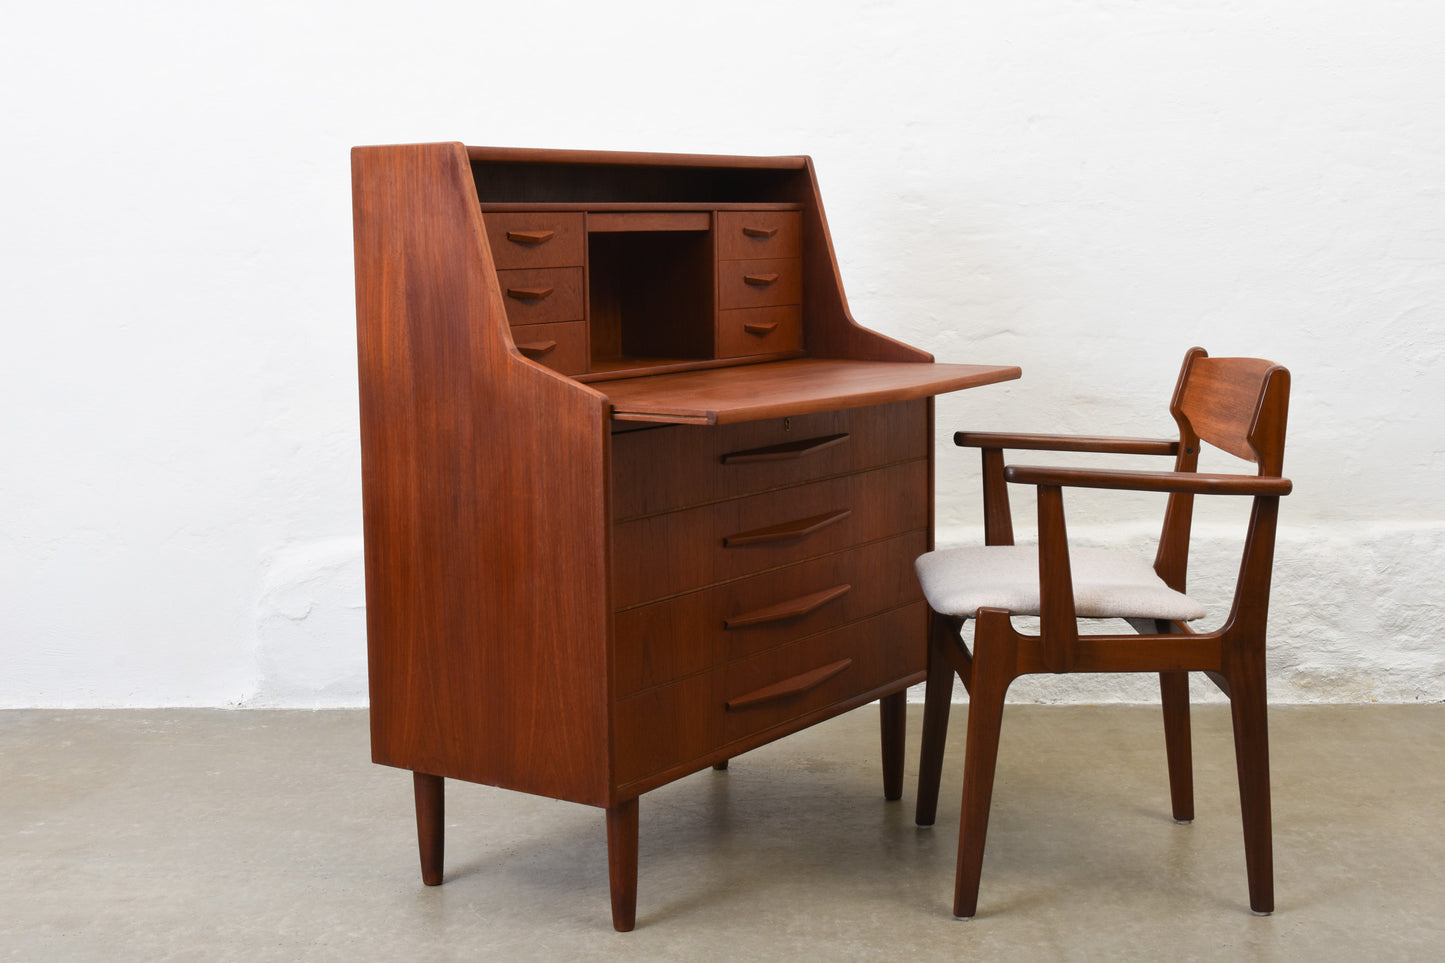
537,348
797,685
760,328
791,609
529,294
788,530
760,280
760,231
787,451
530,237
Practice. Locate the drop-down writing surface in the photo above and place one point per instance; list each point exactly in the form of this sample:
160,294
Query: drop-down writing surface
800,386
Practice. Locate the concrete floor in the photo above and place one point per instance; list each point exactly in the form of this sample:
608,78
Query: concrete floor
216,835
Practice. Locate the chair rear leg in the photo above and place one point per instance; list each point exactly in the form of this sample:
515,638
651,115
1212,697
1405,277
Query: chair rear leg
1174,694
991,679
938,695
1248,708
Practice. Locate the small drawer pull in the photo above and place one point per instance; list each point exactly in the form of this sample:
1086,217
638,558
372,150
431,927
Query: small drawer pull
797,685
760,328
760,280
801,528
529,294
536,349
530,237
760,231
791,609
788,451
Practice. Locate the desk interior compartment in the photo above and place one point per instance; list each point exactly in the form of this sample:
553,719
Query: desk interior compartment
650,297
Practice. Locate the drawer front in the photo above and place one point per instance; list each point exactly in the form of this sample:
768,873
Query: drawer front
793,680
536,240
757,234
748,331
543,295
663,469
668,640
759,283
662,555
676,724
561,347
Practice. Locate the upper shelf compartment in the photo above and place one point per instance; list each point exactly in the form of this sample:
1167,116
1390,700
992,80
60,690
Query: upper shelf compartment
772,292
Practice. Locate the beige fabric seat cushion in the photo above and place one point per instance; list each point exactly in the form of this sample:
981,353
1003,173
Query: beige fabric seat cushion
960,581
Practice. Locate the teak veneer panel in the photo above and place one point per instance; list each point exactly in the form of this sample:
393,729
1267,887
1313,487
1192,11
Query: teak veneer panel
454,423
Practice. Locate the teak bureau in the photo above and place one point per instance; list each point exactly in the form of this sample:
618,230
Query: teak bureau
639,494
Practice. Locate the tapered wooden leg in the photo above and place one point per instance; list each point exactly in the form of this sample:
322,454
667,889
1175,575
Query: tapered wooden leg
622,863
1248,708
1174,694
893,726
937,697
430,825
991,678
721,766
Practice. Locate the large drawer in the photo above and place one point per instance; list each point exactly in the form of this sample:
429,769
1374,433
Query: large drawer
673,725
691,633
662,555
663,469
536,240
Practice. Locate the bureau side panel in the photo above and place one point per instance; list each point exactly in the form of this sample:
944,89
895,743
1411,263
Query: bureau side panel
484,501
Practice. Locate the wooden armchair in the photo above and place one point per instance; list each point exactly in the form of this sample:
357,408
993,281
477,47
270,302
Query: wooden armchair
1238,405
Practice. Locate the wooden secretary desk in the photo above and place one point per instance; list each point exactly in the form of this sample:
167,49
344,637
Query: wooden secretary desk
639,494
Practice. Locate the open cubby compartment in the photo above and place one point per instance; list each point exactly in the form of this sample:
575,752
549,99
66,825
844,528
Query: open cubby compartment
651,297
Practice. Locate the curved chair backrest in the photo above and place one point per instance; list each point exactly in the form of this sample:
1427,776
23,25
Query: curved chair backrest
1239,405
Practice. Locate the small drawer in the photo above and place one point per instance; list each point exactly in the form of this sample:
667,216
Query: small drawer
759,283
691,633
536,240
561,346
675,726
747,331
756,234
663,555
664,469
542,296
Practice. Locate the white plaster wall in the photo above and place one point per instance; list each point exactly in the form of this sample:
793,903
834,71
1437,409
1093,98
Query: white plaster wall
1083,188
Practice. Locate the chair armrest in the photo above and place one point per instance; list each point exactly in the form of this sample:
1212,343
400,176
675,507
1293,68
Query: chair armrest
1199,483
1092,443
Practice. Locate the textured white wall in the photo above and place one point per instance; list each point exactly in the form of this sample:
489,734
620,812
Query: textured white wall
1083,188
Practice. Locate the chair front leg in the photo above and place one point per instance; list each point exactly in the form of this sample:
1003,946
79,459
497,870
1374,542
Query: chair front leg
1249,711
994,662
